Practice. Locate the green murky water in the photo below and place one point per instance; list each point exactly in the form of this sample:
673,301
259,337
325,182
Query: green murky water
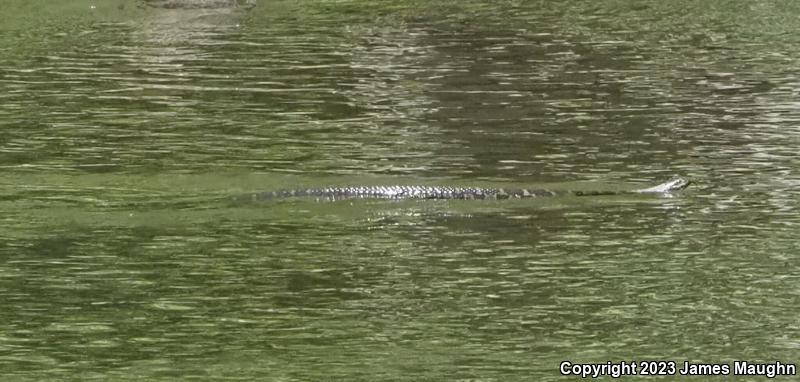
125,131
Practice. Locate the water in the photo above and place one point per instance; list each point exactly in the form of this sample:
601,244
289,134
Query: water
127,130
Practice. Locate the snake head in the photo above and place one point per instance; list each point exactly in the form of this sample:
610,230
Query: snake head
676,184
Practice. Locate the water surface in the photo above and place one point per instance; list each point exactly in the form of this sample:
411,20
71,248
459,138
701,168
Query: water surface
127,130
